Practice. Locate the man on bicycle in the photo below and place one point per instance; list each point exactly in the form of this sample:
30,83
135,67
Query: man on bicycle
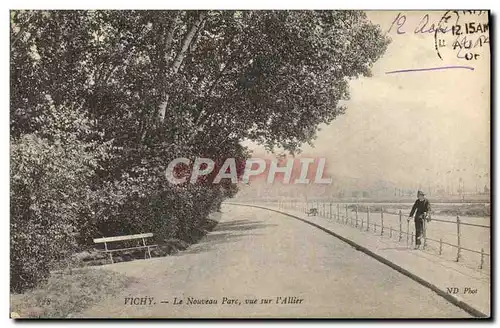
422,207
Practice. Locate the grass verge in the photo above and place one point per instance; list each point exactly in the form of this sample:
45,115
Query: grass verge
67,293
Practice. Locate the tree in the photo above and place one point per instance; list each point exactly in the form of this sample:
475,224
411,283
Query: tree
152,86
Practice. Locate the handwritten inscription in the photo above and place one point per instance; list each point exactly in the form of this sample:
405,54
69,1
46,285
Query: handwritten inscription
424,26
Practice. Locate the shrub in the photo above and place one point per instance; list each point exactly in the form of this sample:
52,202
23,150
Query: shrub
47,199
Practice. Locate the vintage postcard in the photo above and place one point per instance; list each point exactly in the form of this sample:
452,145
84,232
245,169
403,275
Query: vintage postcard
250,164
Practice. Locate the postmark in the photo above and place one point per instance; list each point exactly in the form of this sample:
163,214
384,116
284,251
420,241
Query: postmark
462,34
458,34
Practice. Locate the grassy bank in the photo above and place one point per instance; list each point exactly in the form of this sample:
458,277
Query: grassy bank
67,293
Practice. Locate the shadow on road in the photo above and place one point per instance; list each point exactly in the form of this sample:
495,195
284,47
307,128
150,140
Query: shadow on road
242,225
226,232
402,248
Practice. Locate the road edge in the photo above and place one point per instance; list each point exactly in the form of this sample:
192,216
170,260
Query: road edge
441,292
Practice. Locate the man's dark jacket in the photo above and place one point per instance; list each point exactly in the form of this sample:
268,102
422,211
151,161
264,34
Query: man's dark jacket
420,207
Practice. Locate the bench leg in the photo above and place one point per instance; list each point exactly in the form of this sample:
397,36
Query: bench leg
110,253
149,252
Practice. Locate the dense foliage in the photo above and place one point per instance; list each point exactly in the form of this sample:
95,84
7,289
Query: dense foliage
102,101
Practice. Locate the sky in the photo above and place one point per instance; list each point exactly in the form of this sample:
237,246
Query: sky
412,128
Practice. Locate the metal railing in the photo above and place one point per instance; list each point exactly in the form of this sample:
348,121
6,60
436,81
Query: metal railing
341,213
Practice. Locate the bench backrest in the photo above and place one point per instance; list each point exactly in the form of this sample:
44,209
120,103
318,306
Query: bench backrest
120,238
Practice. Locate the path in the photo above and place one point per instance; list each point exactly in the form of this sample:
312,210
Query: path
258,254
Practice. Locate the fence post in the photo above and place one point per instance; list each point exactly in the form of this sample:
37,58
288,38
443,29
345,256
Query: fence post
390,232
400,230
440,246
381,221
362,223
458,238
346,215
425,233
324,213
368,218
407,231
330,213
356,215
482,258
338,212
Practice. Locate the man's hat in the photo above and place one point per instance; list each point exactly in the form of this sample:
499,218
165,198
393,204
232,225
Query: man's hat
420,192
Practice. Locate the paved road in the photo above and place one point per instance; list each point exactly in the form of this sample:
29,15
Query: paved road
255,254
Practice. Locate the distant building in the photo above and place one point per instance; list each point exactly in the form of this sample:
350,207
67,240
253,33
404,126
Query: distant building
486,190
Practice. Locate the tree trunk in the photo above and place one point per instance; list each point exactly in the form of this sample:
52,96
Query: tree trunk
186,42
170,37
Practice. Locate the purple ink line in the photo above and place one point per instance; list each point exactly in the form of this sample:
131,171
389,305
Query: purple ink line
429,69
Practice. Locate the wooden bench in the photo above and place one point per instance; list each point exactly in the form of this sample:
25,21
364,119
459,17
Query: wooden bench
142,236
312,211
